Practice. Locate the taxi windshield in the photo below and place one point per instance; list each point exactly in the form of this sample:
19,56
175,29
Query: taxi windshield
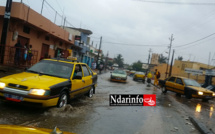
119,72
52,68
189,82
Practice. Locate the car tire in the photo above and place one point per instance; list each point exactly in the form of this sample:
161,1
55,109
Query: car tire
178,94
63,99
90,93
188,94
163,89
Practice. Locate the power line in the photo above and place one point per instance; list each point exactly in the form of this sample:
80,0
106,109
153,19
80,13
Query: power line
195,41
133,44
178,3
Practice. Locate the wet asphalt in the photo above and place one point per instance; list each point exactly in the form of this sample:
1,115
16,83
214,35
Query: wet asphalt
94,115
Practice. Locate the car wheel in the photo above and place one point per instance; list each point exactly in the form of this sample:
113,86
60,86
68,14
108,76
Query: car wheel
178,94
63,99
188,95
163,89
90,93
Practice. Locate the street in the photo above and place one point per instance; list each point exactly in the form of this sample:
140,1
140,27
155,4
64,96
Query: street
94,115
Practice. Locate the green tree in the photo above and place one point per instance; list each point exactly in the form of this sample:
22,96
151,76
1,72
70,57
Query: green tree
162,59
110,63
119,60
180,58
137,66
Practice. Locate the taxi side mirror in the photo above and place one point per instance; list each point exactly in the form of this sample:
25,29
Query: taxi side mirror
77,77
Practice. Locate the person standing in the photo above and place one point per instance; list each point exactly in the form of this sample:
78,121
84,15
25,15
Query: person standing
30,55
18,47
156,77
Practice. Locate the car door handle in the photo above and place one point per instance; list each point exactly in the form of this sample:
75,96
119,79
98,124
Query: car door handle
83,81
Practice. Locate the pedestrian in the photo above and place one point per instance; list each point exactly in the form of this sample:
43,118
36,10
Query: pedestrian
149,76
30,55
25,51
156,77
100,68
18,48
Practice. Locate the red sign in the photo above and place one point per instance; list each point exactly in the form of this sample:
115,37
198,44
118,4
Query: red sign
149,100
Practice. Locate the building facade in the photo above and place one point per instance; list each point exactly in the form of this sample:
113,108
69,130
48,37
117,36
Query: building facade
29,27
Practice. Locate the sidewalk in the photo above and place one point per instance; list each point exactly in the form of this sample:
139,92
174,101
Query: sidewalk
6,70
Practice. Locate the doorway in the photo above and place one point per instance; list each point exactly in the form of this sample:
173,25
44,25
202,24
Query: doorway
45,51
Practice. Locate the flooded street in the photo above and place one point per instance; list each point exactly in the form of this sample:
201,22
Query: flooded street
94,115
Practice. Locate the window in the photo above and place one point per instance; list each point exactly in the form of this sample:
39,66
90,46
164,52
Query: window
179,81
47,38
26,29
85,70
78,71
91,73
172,79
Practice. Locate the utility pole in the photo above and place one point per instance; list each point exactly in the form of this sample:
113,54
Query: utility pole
6,22
170,45
170,70
106,60
150,50
42,7
64,22
209,60
99,52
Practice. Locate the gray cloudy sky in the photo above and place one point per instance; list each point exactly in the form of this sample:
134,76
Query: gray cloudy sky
137,22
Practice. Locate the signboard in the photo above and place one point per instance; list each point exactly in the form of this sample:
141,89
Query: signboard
210,72
77,37
193,71
145,66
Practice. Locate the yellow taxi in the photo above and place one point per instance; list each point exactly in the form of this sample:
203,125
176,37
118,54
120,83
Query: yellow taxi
188,87
14,129
50,82
139,76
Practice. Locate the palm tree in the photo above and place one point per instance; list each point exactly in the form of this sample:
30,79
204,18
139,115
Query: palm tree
119,60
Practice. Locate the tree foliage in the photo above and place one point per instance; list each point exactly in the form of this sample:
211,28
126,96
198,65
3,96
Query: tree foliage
180,58
119,60
162,59
137,66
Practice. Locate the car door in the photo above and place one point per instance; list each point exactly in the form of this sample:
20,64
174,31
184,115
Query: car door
179,85
77,81
170,83
87,78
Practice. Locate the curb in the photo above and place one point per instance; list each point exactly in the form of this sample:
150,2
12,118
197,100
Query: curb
200,126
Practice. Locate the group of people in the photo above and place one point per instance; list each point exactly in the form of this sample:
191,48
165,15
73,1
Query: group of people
23,54
156,78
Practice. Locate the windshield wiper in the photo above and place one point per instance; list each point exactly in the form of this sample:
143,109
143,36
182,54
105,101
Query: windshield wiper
32,71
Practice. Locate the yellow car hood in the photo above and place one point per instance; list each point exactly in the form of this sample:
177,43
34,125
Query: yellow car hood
13,129
32,80
201,89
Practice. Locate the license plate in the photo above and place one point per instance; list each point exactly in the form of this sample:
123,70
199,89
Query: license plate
13,97
118,78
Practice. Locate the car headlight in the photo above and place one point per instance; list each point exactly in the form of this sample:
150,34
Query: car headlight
39,92
2,85
213,94
200,93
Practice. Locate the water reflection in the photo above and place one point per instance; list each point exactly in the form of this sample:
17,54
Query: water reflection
211,111
198,108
